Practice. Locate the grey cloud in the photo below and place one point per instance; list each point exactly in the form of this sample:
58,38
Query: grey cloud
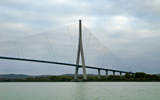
129,28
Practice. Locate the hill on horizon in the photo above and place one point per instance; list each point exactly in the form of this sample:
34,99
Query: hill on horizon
27,76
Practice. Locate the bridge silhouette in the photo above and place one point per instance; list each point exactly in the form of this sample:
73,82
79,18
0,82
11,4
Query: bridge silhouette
59,46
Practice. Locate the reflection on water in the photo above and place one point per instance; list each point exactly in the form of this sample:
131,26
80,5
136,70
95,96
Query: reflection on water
80,91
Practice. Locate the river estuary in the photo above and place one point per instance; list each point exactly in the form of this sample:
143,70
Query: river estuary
80,91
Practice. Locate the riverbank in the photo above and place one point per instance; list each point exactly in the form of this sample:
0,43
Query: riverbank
138,77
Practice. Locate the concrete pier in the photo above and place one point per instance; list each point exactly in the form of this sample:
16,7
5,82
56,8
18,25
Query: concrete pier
106,73
99,76
120,74
113,72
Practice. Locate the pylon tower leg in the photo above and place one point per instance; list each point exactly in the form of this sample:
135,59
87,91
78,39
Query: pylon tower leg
76,73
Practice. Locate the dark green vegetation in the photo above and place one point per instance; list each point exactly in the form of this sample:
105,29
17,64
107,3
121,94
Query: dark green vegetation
139,76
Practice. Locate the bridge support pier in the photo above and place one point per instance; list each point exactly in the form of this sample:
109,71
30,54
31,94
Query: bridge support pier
76,73
113,72
120,74
99,74
106,73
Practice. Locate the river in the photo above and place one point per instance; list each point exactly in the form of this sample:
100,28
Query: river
80,91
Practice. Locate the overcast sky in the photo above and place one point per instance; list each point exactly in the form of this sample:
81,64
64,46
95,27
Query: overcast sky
129,28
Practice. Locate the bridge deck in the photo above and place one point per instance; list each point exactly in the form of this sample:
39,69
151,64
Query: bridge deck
60,63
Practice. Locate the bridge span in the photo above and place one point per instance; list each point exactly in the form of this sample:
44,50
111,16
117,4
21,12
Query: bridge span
60,47
67,64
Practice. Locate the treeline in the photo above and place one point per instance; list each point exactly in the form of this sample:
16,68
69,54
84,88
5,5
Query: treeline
139,76
38,79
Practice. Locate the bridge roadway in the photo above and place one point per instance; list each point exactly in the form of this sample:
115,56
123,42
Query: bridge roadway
60,63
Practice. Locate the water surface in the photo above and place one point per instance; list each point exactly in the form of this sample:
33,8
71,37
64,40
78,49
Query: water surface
80,91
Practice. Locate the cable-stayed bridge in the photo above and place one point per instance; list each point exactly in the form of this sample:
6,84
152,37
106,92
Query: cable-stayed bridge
72,45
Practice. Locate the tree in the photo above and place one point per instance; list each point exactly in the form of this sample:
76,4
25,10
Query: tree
140,75
127,75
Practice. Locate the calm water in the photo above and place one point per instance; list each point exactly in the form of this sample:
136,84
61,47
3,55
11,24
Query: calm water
80,91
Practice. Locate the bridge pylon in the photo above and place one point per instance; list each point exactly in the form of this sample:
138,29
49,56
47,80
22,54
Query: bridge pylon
80,53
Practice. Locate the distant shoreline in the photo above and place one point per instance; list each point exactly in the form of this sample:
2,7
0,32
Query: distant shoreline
77,81
137,77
